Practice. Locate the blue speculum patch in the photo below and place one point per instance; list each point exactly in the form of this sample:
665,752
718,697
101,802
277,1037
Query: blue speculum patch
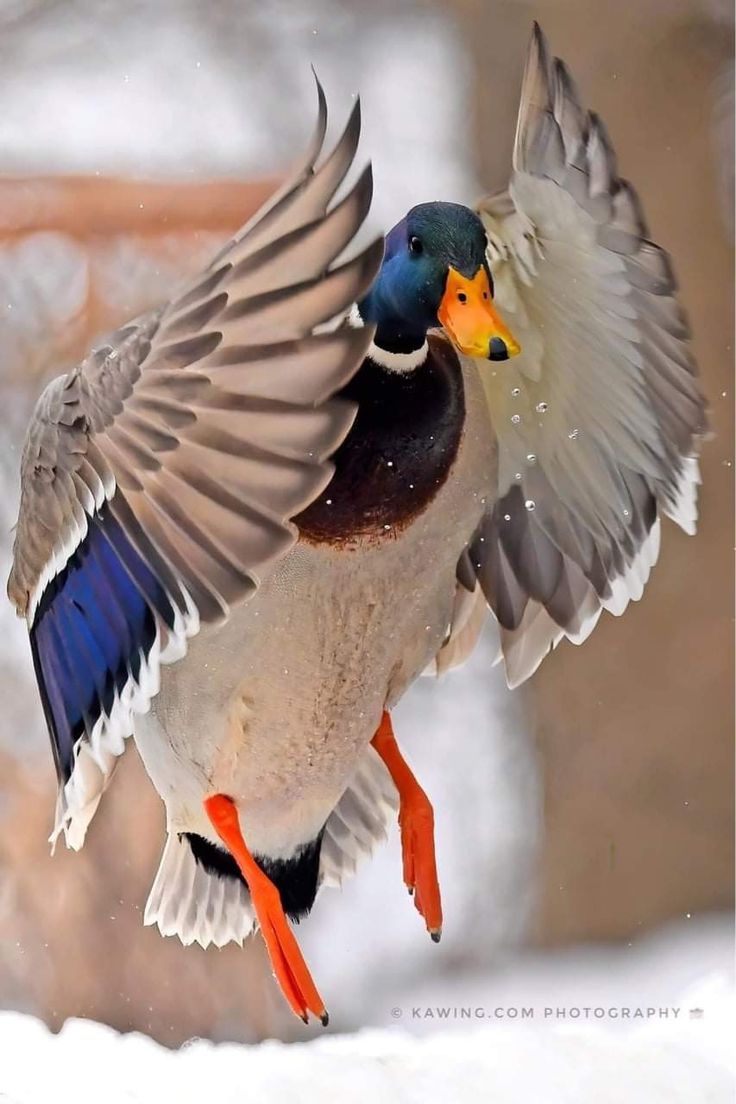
95,622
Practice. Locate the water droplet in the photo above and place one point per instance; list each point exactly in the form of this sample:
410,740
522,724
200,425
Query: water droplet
389,463
531,458
516,391
507,517
387,527
530,504
328,501
626,513
573,434
542,407
515,419
518,476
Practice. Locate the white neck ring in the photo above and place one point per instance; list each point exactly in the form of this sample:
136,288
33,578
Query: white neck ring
392,362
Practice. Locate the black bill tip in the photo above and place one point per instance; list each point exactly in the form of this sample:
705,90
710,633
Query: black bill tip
497,349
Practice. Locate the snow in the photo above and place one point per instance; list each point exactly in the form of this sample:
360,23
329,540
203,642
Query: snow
651,1058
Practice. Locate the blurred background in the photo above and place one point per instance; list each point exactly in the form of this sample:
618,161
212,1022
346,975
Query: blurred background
589,814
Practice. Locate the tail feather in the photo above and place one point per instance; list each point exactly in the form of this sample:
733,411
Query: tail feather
198,906
358,822
203,907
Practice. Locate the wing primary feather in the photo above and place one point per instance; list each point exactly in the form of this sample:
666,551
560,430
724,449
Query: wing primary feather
535,96
607,407
124,545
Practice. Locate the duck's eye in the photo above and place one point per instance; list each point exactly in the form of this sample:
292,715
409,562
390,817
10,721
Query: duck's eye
462,297
415,245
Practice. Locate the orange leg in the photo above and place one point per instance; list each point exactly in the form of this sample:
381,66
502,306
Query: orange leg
288,965
416,821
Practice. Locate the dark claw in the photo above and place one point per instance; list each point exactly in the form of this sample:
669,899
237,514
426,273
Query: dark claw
324,1019
435,936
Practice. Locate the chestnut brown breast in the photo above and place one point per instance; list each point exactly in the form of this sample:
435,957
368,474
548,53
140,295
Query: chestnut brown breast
398,453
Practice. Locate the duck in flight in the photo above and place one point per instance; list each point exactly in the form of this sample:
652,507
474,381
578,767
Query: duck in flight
254,516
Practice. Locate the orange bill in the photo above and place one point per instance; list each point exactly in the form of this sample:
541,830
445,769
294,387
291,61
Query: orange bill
470,319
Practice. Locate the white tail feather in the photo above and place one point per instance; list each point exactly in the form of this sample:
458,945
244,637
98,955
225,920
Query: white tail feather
358,822
207,909
198,907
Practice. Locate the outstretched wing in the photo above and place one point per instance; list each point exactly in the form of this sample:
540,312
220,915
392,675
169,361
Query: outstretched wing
159,477
599,419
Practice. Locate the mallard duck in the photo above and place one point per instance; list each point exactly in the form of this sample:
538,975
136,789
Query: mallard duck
253,517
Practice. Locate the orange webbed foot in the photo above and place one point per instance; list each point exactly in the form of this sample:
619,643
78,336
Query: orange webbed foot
416,823
290,969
